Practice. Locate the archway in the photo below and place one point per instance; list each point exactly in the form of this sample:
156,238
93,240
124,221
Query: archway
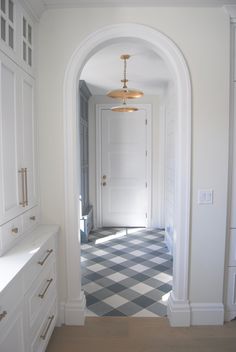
178,306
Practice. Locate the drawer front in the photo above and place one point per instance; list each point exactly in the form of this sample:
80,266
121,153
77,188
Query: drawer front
43,290
10,233
30,219
9,299
42,337
232,248
45,257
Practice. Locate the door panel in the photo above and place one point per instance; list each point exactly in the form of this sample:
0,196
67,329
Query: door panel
28,137
9,161
124,168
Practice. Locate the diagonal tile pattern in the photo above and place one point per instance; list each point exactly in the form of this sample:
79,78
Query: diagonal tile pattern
126,272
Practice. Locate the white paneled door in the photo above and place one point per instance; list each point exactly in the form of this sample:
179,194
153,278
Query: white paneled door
124,195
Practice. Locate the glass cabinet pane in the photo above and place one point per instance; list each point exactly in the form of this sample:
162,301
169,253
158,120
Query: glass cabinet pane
3,6
11,37
11,11
3,29
29,34
24,27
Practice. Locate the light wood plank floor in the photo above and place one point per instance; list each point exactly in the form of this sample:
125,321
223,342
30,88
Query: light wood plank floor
123,334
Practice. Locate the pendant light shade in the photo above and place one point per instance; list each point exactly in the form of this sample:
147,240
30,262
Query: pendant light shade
124,108
124,92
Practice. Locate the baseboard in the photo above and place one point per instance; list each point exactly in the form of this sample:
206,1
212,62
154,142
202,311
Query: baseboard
178,312
207,313
73,312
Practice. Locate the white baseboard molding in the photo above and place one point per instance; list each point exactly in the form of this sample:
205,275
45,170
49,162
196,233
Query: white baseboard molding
207,313
178,312
230,315
73,312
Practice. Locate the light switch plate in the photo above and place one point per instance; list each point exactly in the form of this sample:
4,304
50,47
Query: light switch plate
205,196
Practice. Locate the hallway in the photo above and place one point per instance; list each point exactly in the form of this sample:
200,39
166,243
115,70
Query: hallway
126,272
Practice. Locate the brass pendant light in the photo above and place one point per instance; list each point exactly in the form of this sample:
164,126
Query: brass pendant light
125,93
124,108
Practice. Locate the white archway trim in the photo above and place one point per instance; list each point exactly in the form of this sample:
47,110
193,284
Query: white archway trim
178,305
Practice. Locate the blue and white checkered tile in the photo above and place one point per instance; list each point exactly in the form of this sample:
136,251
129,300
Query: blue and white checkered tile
126,272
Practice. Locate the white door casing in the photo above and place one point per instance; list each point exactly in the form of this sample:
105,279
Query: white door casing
123,166
178,304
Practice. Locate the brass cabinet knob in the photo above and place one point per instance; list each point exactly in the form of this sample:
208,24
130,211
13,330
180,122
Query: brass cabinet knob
104,177
104,184
15,230
33,218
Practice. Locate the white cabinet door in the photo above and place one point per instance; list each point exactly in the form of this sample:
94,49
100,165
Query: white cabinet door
18,190
9,176
28,144
12,335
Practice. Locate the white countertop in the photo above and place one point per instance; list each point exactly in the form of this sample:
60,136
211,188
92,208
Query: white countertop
16,258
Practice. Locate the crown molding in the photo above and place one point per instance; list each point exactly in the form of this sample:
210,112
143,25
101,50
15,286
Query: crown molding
231,11
37,7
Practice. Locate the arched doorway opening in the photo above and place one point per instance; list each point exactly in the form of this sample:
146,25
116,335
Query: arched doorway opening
178,306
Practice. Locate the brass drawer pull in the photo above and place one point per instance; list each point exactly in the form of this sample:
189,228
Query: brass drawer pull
26,188
15,230
41,295
3,314
44,335
33,218
22,172
49,251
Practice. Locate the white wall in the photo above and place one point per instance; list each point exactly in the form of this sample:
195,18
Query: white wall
202,34
156,191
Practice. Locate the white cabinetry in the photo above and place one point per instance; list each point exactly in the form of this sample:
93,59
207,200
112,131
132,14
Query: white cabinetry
28,292
18,181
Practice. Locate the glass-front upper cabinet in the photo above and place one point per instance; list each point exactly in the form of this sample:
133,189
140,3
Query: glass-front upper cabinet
17,29
8,23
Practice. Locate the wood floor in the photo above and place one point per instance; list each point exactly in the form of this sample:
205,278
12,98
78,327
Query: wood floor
122,334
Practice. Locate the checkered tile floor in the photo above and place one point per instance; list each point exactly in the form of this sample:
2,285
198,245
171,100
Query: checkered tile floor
126,272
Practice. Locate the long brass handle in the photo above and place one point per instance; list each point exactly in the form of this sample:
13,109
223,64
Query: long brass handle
3,314
22,172
49,251
26,187
44,335
41,295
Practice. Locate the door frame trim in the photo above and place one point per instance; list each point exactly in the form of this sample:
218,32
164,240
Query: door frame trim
178,305
99,109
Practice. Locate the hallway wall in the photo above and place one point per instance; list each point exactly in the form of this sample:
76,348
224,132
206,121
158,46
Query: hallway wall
202,34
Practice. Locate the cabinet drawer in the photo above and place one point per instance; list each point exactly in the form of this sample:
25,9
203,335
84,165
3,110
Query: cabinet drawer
9,234
43,290
30,219
9,299
45,257
42,337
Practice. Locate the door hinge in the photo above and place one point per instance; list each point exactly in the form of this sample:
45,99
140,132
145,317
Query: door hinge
146,122
146,215
146,184
146,153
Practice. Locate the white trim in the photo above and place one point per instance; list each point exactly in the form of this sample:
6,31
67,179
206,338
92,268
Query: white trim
178,311
170,53
207,313
148,109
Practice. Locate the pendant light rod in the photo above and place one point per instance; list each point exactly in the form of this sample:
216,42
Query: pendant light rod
125,92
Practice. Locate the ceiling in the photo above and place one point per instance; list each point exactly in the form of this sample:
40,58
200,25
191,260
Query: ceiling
39,6
145,69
